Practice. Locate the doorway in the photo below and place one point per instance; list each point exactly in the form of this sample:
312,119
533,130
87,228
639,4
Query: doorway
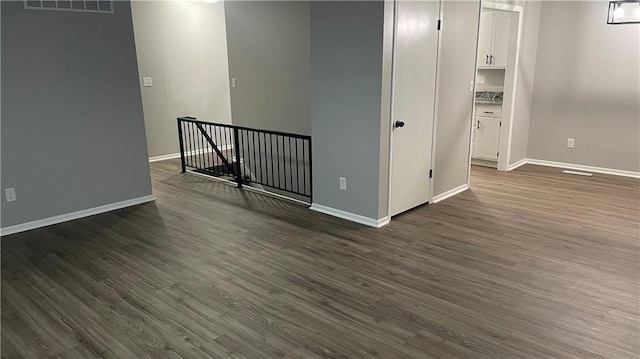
495,85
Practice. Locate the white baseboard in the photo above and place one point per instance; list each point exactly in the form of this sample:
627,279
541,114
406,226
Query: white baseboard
450,193
164,157
484,163
517,164
377,223
189,153
572,166
74,215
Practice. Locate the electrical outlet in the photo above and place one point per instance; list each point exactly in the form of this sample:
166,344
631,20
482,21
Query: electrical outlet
571,142
147,81
10,194
343,183
233,82
470,86
481,79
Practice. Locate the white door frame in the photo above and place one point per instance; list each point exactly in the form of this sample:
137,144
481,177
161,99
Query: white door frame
435,107
390,119
507,123
391,112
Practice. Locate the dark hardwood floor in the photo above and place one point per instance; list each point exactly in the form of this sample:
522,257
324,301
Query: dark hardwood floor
528,264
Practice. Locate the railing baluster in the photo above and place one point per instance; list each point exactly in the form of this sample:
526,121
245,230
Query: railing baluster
297,167
236,144
203,158
284,165
310,171
221,147
196,135
290,163
259,158
212,155
243,166
273,177
189,145
181,140
253,144
263,157
304,169
192,146
198,149
208,151
278,159
229,153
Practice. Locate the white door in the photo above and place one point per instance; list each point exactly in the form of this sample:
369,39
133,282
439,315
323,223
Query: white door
487,138
500,38
484,38
416,48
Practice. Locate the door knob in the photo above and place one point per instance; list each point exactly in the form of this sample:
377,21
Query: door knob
399,124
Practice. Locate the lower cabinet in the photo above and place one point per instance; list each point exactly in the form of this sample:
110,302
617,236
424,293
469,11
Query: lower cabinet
486,138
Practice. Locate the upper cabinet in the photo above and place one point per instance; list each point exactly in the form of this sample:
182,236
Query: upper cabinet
493,39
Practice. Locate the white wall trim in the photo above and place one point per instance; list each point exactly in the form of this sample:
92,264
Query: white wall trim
5,231
484,163
189,153
450,193
501,6
513,166
164,157
436,106
377,223
573,166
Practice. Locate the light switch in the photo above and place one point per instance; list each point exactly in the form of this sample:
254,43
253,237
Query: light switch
147,81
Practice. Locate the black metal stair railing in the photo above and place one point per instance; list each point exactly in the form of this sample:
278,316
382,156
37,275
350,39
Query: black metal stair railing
271,160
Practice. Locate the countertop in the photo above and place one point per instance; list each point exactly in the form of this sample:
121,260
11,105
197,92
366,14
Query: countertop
487,102
488,98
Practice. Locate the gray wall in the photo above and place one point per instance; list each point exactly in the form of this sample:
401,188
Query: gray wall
586,87
347,75
182,45
72,125
524,86
268,45
457,58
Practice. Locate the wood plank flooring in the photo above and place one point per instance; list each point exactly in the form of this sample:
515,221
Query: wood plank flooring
528,264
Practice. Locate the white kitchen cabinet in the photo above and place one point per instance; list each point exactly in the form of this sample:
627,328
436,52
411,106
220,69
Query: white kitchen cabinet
486,132
487,138
484,38
493,39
